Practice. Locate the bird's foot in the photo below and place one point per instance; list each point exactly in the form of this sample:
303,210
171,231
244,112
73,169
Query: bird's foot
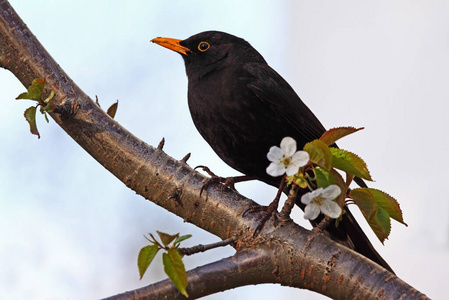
228,182
269,210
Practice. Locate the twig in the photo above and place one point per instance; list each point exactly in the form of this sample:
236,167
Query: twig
202,248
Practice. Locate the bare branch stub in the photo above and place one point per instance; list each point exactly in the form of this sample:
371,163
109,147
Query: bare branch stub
161,144
202,248
185,158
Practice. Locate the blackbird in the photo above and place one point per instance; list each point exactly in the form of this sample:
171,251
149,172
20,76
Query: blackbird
242,107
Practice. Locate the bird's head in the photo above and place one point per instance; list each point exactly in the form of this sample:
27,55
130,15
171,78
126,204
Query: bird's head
210,51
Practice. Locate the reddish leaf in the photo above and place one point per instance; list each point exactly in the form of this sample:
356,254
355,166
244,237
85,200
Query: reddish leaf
334,134
112,110
30,116
167,238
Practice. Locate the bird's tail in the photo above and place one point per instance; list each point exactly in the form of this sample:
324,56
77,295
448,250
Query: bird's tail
349,233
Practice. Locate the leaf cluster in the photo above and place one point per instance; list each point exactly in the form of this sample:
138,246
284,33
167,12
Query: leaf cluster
171,258
35,92
376,206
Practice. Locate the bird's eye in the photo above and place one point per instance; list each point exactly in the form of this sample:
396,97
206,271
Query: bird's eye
203,46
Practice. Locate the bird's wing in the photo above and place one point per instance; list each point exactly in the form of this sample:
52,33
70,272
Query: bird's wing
274,91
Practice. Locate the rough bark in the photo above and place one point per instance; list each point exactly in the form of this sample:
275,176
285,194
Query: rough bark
288,255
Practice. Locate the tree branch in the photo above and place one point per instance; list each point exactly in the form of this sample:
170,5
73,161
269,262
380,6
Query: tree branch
289,255
212,278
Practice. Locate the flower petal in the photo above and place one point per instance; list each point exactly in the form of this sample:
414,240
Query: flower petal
275,169
311,211
292,169
331,209
331,192
311,195
306,198
301,158
288,146
275,154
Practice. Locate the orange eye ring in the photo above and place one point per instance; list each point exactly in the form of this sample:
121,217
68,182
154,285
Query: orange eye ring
203,46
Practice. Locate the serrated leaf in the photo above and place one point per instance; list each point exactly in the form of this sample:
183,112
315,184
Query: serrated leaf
182,238
384,219
175,270
334,134
167,238
388,203
35,90
30,116
377,207
112,110
319,153
350,163
146,256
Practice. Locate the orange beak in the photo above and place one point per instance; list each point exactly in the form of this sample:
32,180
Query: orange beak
172,44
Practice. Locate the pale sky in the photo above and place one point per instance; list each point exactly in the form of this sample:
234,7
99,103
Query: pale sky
70,230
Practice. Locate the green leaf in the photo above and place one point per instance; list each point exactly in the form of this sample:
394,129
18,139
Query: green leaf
350,163
52,93
388,203
299,179
175,270
112,110
30,116
35,90
167,238
334,134
146,256
47,108
319,153
45,115
182,238
377,207
323,177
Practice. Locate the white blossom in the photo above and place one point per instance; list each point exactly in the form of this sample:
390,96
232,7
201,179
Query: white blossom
321,200
286,159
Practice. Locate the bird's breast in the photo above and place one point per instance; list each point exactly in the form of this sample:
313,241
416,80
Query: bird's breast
232,121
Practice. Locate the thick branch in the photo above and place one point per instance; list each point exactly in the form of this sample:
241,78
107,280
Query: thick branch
296,257
211,278
292,255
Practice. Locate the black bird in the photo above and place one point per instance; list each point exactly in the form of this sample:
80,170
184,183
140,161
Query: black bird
242,107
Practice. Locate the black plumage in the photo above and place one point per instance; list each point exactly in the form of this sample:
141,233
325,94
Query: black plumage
242,107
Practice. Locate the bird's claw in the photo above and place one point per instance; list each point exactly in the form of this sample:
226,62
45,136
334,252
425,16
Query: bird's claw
217,179
228,182
270,210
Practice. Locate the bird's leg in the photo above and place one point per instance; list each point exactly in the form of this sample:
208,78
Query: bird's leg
270,209
227,181
284,215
